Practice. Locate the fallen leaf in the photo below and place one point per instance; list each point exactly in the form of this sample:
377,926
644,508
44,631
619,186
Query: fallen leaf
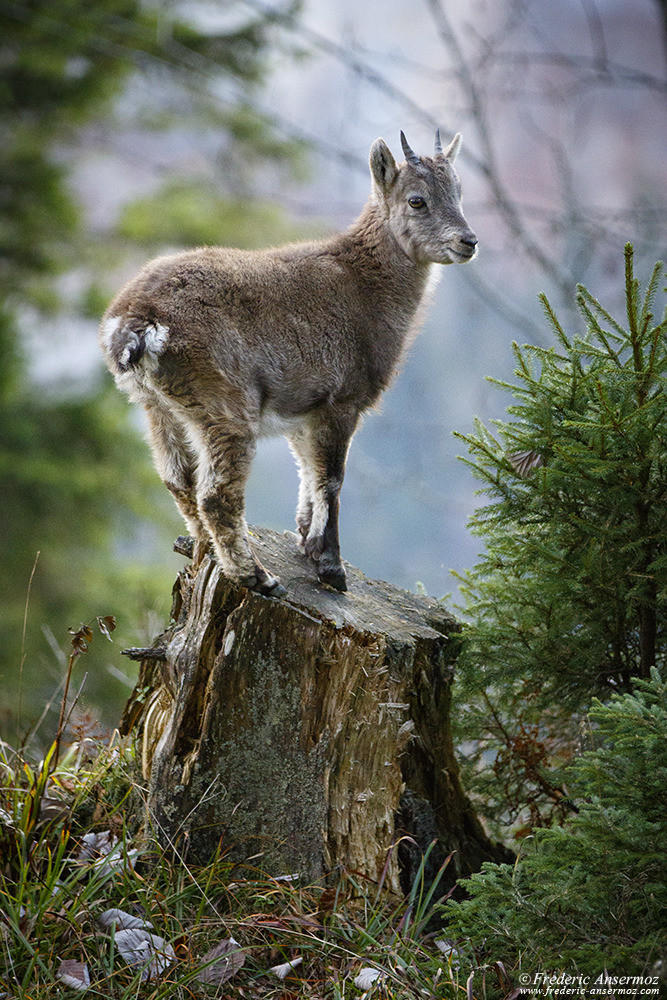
95,845
116,859
122,921
282,970
74,974
503,978
222,962
181,946
52,809
450,951
367,977
103,852
139,947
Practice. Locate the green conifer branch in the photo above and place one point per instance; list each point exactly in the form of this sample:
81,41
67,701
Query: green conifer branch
567,601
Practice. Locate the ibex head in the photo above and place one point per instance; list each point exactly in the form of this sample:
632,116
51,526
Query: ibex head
421,200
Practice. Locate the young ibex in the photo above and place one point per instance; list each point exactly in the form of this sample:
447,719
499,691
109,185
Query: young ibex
223,346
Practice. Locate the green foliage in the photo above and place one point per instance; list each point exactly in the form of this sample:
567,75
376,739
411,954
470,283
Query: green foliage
62,63
591,895
73,474
76,483
182,214
568,600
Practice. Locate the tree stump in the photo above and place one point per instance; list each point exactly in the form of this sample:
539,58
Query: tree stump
307,732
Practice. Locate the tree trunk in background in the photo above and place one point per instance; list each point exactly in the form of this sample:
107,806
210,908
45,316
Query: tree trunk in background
307,733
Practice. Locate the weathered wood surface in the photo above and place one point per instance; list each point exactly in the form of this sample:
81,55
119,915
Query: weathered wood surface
308,732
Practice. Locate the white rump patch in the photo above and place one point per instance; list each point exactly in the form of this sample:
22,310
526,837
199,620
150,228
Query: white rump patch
108,328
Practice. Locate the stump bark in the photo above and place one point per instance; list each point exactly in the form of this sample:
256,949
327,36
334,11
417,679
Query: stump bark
308,733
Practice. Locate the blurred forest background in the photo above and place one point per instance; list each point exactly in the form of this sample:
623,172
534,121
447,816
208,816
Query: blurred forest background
132,128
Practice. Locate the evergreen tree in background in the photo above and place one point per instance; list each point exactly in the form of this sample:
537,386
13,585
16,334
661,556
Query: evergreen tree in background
568,600
72,469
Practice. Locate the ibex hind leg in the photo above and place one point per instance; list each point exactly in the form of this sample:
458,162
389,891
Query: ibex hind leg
176,462
320,449
224,465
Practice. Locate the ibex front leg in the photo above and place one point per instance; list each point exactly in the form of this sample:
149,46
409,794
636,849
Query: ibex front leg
320,449
224,464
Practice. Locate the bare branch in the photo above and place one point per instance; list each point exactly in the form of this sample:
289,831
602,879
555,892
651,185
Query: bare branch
505,202
613,74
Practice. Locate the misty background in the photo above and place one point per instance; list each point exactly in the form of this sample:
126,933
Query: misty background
562,110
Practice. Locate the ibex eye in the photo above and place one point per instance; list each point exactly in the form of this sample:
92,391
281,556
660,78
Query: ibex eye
416,202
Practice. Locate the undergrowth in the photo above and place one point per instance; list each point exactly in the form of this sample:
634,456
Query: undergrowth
91,904
75,873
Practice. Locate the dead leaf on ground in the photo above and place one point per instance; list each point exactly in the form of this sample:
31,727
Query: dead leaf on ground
74,974
282,971
95,845
122,920
51,809
139,947
105,853
222,962
367,977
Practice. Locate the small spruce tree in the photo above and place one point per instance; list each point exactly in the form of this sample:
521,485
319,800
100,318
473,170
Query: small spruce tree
568,599
589,897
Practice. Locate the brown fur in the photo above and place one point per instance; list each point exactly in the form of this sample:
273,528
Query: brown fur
221,346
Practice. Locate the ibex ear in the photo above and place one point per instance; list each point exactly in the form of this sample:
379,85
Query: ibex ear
452,150
383,165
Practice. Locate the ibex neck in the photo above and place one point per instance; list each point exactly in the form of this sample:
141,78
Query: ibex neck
373,236
391,290
397,282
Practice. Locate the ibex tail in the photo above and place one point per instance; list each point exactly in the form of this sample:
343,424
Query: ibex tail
128,342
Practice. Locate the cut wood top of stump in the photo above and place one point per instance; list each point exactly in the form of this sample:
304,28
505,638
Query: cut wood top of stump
368,606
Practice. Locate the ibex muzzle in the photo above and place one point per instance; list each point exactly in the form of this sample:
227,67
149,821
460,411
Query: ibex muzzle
222,346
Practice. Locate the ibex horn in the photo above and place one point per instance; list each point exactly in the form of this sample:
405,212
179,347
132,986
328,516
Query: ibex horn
409,154
438,144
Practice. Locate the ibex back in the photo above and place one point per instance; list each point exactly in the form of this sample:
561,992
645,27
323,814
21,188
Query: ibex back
223,346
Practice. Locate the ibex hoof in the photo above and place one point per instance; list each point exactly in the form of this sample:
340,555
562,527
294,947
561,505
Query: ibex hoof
263,583
334,576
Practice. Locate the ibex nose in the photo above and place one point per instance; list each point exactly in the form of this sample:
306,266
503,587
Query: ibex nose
469,241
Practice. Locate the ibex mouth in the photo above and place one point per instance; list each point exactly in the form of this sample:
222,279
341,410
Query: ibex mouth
461,256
